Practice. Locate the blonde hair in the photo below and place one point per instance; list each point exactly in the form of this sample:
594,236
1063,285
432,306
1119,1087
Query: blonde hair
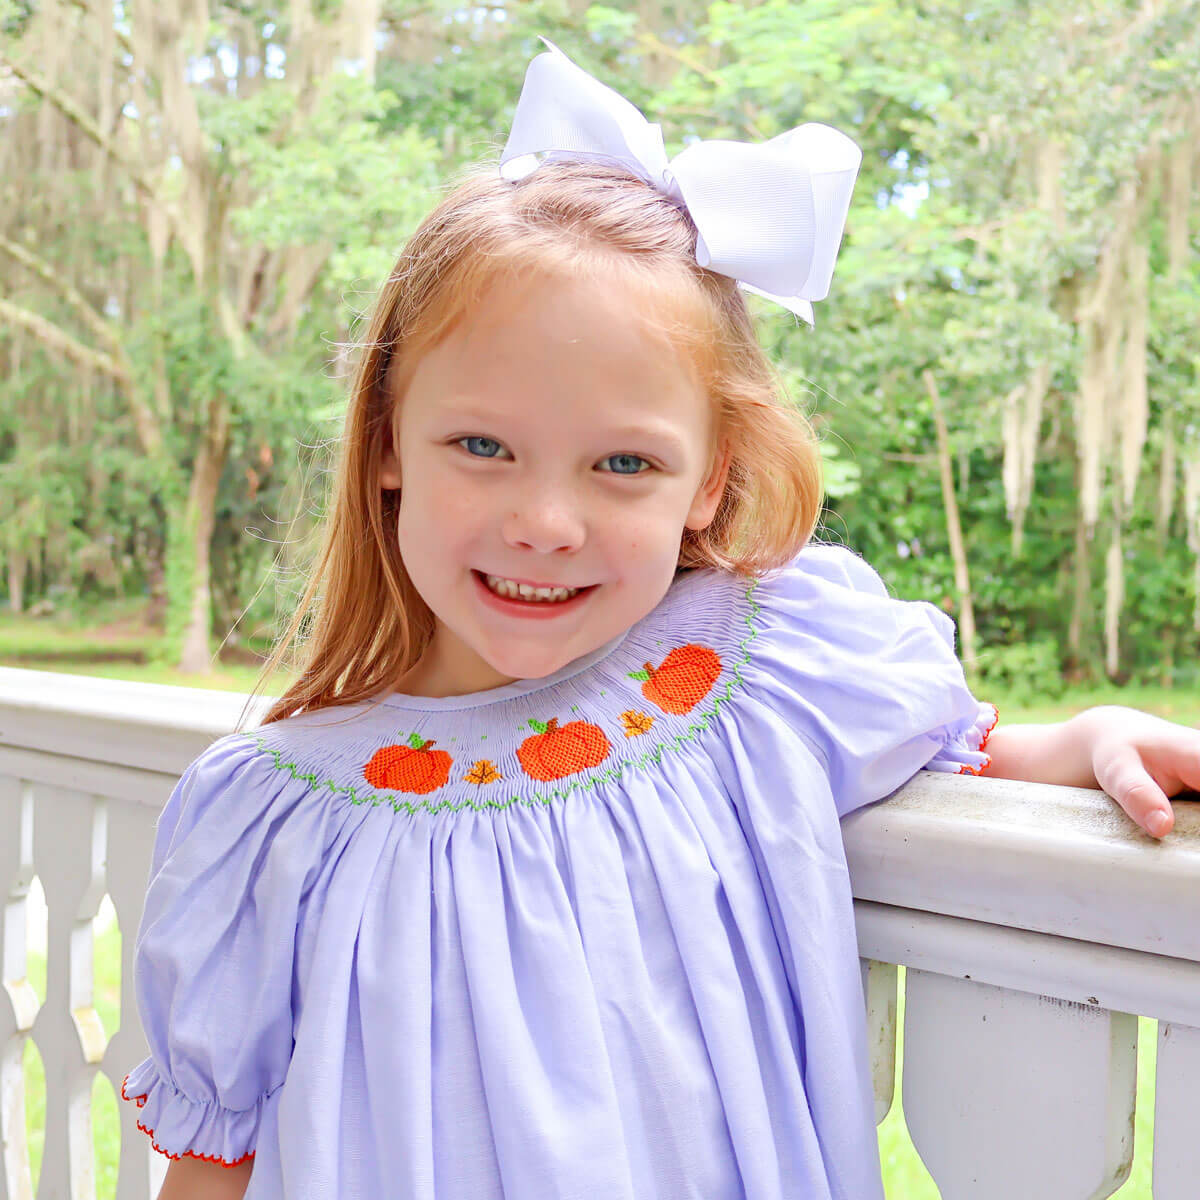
367,625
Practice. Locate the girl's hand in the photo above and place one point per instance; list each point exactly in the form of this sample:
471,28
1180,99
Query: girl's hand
1138,759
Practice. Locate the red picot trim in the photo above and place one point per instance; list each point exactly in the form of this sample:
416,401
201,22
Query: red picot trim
966,770
988,732
969,770
141,1100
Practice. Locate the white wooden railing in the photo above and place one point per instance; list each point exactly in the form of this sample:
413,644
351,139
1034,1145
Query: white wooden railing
1035,924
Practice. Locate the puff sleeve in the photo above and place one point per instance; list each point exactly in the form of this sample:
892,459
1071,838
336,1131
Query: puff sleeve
213,959
873,684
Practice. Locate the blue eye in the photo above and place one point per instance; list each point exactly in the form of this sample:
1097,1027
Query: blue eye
487,454
627,459
486,447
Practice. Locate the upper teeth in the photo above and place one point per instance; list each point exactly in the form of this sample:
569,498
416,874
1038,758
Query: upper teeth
507,587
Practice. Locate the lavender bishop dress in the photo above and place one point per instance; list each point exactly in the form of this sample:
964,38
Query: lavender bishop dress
585,937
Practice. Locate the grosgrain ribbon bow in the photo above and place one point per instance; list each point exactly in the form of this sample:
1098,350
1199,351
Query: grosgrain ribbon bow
768,214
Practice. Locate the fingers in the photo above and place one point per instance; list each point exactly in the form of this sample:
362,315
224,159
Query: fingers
1130,785
1174,759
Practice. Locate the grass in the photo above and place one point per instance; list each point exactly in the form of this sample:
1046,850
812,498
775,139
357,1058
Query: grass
1175,704
116,629
109,652
119,644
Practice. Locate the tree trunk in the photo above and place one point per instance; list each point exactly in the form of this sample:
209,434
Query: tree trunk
1114,598
16,582
1081,591
190,526
962,576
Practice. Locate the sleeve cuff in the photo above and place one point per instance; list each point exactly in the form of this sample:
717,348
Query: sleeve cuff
963,752
181,1127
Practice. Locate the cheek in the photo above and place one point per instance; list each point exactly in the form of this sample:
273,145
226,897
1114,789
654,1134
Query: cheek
436,512
644,546
654,528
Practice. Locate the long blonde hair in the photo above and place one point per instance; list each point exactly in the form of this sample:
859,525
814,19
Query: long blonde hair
366,625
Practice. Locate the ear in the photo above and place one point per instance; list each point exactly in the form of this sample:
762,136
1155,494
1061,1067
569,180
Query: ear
708,496
389,465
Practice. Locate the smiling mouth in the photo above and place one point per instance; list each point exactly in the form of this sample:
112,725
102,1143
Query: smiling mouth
509,589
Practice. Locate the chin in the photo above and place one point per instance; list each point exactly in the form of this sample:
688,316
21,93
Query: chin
530,666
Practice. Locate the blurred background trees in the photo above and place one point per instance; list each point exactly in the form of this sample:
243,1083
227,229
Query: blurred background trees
200,200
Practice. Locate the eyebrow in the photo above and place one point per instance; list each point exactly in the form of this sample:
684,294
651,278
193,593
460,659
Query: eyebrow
649,433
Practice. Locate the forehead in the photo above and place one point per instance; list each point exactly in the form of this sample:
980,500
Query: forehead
537,342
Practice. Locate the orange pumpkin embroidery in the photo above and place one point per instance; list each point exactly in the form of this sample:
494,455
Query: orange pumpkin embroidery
685,677
412,768
636,722
552,752
484,771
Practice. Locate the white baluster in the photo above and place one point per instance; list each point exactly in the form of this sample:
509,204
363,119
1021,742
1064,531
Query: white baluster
1176,1135
1010,1094
20,1008
879,991
131,828
68,856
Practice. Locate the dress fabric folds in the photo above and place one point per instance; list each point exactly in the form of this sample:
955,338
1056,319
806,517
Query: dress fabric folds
585,937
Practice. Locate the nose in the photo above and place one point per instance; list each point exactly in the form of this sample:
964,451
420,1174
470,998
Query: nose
544,520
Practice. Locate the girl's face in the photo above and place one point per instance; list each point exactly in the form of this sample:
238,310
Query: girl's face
549,440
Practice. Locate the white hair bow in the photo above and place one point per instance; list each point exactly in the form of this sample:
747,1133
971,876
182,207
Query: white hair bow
769,214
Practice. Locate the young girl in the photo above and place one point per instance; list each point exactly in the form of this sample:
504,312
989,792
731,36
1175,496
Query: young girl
533,885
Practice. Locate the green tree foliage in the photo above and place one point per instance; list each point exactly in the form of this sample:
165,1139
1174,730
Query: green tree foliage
1013,153
1026,205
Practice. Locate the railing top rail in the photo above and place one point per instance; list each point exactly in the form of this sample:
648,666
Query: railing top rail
1066,861
202,709
147,726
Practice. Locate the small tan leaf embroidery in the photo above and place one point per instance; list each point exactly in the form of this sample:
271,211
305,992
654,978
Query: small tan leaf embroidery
636,722
484,771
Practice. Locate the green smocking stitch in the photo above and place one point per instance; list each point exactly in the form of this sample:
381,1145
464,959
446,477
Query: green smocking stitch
653,755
